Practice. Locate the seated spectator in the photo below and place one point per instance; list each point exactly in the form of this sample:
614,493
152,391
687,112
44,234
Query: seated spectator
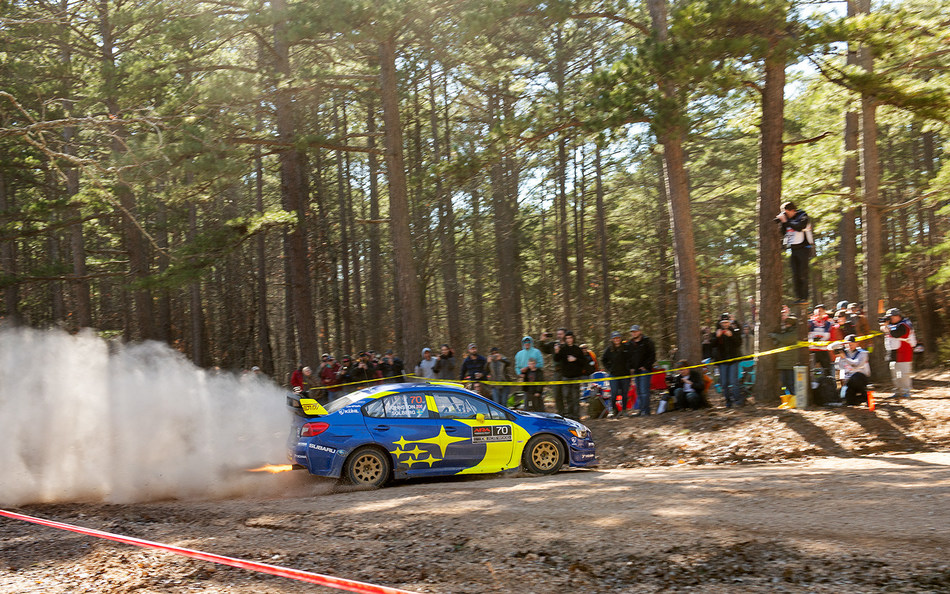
854,370
689,387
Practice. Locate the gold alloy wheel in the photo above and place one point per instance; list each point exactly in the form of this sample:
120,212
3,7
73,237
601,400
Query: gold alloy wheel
545,455
367,469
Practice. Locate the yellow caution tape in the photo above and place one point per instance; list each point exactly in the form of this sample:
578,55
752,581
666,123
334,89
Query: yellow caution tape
798,345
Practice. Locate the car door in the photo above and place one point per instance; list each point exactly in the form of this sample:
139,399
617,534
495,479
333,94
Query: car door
488,431
406,424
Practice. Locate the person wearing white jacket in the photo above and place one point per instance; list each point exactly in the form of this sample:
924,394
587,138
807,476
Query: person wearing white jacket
854,369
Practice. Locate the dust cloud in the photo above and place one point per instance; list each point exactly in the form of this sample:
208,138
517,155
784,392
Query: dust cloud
83,420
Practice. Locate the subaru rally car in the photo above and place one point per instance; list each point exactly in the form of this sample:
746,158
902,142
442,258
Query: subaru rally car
429,429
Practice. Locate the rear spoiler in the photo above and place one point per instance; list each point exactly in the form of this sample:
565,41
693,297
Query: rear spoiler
305,407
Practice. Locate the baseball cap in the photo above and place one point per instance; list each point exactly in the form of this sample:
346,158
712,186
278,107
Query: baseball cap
635,328
616,334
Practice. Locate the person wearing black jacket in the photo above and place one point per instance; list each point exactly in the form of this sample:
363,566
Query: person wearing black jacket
797,237
574,365
688,388
616,360
642,357
473,368
727,345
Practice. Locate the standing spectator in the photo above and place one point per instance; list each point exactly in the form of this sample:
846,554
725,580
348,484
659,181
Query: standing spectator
797,237
344,375
616,361
311,383
329,379
787,360
528,352
705,338
392,367
574,366
642,358
899,340
842,326
550,347
363,371
689,387
426,367
445,365
819,330
747,340
533,395
855,369
296,379
728,346
860,322
473,368
496,370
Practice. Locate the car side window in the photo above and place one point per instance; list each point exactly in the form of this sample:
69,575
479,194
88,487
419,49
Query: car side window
459,406
375,409
497,414
406,405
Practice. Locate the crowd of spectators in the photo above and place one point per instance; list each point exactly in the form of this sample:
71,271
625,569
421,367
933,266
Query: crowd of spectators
558,363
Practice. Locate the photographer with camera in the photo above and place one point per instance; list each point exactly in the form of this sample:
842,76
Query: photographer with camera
899,340
551,347
798,238
727,346
854,370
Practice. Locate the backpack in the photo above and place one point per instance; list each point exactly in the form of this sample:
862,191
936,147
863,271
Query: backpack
826,392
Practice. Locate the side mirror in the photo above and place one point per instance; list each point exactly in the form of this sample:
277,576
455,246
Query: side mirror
480,418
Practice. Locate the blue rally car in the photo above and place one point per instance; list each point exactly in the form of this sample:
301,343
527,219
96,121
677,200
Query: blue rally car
429,429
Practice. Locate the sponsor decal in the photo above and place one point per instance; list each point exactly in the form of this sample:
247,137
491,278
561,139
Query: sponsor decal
321,448
351,409
491,433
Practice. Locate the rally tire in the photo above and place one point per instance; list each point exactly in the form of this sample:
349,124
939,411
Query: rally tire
544,454
367,467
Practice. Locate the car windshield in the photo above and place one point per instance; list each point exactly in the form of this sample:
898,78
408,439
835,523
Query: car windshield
344,401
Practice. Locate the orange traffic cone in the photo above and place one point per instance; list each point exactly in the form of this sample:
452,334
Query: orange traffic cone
871,400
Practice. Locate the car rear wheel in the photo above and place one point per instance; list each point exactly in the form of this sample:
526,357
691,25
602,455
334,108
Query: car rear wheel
544,454
367,467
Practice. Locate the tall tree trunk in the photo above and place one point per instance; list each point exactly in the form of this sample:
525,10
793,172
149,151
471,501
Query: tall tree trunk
847,229
563,248
478,285
503,219
264,350
199,347
293,194
346,309
11,292
671,136
132,234
769,203
375,307
580,196
447,257
602,239
872,230
406,279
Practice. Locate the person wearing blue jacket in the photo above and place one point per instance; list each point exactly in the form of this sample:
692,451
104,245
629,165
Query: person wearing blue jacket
528,352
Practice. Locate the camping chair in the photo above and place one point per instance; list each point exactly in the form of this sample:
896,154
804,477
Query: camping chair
599,388
747,377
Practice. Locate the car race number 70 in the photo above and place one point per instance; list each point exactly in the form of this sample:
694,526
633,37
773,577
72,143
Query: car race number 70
491,433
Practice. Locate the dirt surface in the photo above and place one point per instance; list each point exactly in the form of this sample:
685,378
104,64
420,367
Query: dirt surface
683,501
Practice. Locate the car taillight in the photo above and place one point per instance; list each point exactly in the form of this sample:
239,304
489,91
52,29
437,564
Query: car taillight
311,429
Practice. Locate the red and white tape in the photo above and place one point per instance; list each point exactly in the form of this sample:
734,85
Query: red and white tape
294,574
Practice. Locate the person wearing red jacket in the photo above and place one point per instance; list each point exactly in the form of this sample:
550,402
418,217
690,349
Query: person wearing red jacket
899,340
819,330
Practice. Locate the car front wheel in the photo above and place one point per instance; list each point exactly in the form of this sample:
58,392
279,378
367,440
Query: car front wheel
544,454
367,467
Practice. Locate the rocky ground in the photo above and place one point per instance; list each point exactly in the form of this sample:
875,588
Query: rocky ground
753,500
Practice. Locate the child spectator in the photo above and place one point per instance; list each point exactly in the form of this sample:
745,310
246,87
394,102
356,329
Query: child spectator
533,395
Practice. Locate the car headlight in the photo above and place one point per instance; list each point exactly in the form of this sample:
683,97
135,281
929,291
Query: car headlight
581,431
